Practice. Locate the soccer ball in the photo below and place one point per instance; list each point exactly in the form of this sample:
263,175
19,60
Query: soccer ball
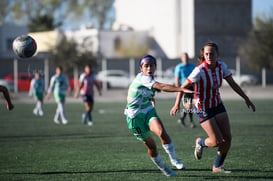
24,46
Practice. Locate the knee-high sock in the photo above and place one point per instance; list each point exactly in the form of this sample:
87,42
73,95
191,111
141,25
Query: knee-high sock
61,110
39,106
89,116
169,149
158,162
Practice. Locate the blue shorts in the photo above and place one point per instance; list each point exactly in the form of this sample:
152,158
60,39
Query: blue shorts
209,113
88,98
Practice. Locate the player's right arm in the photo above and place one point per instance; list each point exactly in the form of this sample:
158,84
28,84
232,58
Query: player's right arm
5,91
81,84
51,87
31,88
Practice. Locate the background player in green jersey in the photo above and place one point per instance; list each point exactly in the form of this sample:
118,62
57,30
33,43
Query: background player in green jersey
59,84
37,90
142,117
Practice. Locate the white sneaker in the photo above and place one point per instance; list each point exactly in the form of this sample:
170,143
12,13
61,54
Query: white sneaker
35,112
56,121
64,122
178,164
168,172
41,113
90,123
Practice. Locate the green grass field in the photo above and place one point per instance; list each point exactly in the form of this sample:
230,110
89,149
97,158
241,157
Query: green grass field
34,148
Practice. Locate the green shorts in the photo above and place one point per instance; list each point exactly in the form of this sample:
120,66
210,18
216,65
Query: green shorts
59,97
39,96
140,125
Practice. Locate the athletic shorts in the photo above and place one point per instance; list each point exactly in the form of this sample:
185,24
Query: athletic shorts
59,97
140,125
39,96
209,113
87,98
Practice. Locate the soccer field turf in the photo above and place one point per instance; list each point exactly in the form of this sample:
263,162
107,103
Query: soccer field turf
34,148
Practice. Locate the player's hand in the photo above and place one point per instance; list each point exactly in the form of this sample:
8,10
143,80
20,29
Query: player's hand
153,102
10,106
250,105
47,96
175,109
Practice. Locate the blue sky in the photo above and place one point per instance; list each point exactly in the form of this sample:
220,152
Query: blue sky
261,7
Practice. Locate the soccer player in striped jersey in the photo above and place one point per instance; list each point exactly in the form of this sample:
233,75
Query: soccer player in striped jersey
59,85
209,108
37,90
142,117
87,81
181,72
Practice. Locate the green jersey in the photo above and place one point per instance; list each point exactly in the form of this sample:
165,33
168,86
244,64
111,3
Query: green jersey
139,95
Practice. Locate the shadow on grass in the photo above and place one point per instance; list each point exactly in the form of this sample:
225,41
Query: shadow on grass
181,174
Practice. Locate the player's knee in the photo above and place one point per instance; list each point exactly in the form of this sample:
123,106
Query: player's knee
214,142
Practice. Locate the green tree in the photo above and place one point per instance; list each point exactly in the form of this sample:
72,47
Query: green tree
4,6
70,54
100,12
37,15
257,48
41,15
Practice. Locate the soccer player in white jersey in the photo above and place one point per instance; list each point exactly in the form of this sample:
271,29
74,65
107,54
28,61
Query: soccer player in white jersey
142,117
59,85
209,108
87,82
37,90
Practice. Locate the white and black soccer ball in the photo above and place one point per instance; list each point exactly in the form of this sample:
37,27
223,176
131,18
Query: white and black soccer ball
24,46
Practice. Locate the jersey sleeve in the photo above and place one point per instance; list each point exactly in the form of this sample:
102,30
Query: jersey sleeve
177,71
226,71
81,79
194,76
31,89
148,81
52,84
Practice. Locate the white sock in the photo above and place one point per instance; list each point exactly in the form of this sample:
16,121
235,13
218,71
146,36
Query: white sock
61,111
39,106
169,149
158,162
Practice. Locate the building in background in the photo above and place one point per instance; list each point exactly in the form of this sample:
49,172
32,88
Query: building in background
184,26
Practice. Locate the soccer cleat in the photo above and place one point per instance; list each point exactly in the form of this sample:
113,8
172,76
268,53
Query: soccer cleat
178,164
56,121
90,123
181,122
198,150
192,125
41,113
220,169
64,122
168,172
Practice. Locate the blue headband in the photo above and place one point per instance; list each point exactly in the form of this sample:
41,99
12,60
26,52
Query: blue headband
147,59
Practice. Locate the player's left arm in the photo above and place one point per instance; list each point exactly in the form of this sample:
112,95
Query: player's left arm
98,86
240,92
